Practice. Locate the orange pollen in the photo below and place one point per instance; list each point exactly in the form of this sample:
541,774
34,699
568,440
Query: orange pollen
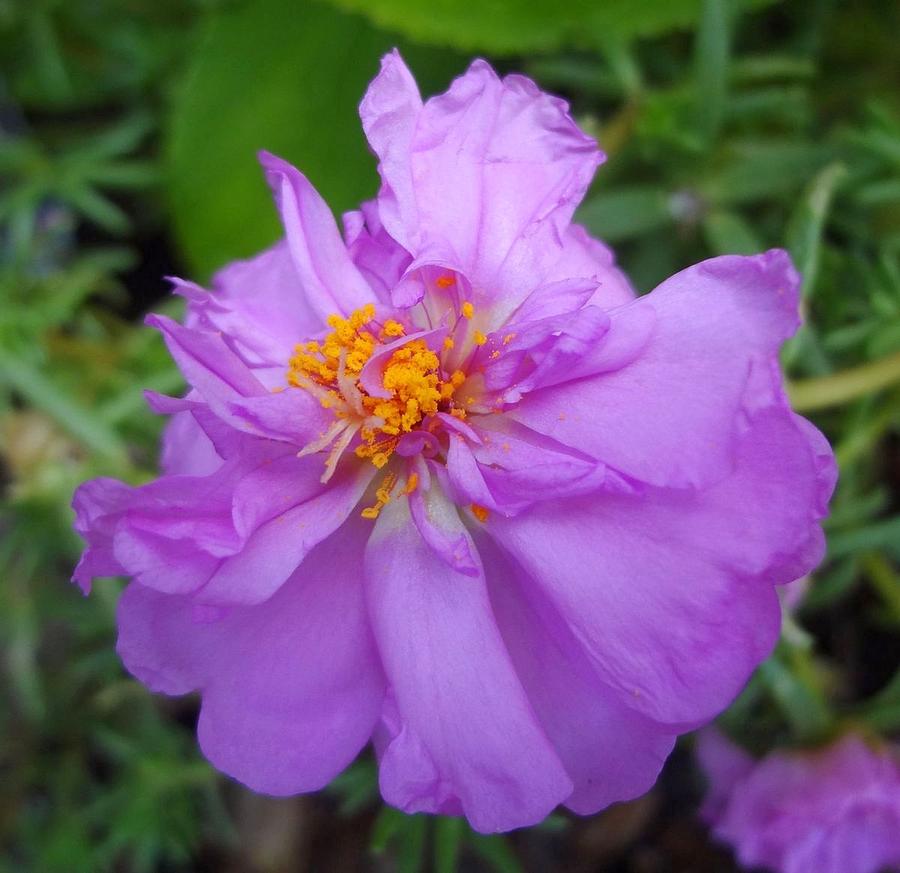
412,378
479,512
383,495
444,281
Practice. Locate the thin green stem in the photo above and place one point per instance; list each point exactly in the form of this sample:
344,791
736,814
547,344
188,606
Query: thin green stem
821,392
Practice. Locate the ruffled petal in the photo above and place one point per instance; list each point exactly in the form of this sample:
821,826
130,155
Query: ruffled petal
278,546
232,392
328,280
437,521
186,449
670,592
389,112
463,738
669,414
258,304
582,255
610,752
98,506
377,255
291,687
498,168
512,467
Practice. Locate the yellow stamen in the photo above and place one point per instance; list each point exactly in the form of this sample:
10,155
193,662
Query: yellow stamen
480,338
393,328
412,482
330,369
468,310
384,497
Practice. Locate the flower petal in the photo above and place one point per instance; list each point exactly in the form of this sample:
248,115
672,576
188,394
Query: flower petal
231,390
259,305
670,592
668,415
610,752
389,112
291,687
498,166
328,280
277,547
465,739
186,449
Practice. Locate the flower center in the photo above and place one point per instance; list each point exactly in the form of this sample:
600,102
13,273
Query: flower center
413,384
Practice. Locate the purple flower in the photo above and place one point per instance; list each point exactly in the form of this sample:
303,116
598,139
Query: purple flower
443,483
833,810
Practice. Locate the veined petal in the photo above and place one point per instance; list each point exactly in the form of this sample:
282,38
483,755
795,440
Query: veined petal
611,752
291,687
233,393
671,592
389,112
498,168
258,304
329,281
669,415
277,547
466,739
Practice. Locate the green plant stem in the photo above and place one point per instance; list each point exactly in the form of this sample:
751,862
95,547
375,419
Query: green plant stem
821,392
884,580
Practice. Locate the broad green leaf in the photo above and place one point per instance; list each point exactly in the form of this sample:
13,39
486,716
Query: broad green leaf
281,76
624,213
512,26
728,233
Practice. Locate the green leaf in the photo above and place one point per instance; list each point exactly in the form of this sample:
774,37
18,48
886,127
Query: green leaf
808,222
448,837
496,851
727,233
712,53
627,212
288,78
511,26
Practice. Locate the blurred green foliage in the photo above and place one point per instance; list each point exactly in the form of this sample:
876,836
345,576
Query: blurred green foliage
127,140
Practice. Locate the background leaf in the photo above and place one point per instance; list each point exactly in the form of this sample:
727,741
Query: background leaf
510,26
286,77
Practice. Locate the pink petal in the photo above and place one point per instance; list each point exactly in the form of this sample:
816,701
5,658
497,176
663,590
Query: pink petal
328,280
291,688
186,449
465,739
610,752
389,112
670,592
278,547
483,178
259,304
669,415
